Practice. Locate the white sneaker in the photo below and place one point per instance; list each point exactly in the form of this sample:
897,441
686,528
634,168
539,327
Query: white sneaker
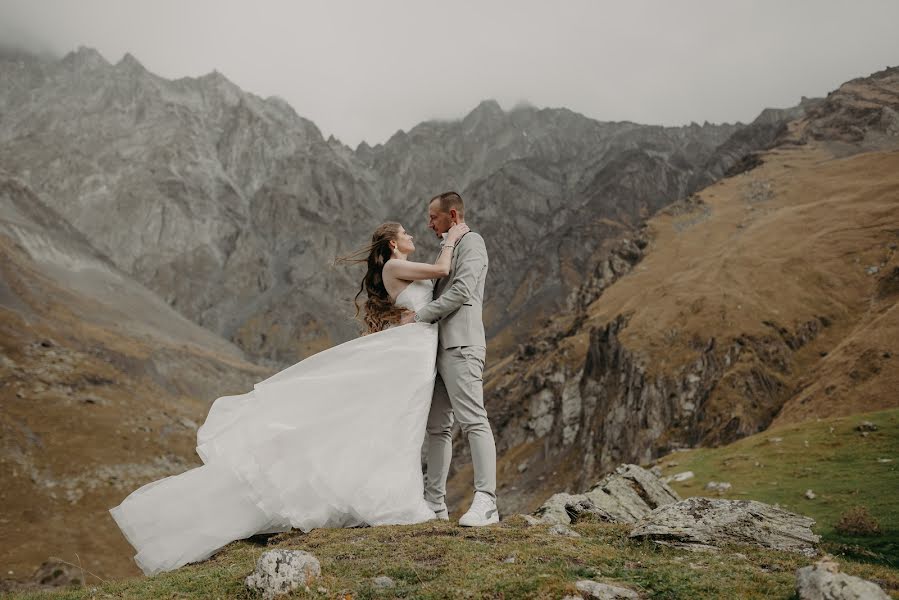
439,509
482,512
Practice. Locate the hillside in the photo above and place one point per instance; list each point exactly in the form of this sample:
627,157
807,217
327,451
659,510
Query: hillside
515,560
769,295
102,386
843,464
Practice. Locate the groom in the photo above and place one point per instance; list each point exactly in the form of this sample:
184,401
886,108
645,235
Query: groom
458,391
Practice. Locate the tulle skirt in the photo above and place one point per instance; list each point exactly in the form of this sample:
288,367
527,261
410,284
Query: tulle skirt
332,441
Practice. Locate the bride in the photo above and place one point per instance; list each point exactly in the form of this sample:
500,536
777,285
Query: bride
332,441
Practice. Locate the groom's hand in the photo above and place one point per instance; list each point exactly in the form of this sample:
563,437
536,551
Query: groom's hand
407,317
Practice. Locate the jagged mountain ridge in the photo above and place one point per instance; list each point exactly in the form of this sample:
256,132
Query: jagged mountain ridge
232,207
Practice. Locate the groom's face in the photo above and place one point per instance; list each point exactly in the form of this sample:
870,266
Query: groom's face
438,221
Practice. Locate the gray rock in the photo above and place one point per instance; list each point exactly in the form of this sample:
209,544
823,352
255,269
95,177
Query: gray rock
717,521
823,581
629,493
866,426
563,530
678,477
586,509
383,581
282,571
624,496
554,511
532,520
810,494
604,591
718,486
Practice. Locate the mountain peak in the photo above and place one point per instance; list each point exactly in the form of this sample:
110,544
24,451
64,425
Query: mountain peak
487,108
85,57
485,113
130,62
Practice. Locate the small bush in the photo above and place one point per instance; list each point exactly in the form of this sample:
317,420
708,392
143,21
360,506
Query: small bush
857,521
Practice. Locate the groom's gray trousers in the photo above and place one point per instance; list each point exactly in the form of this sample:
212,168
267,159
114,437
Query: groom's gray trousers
459,391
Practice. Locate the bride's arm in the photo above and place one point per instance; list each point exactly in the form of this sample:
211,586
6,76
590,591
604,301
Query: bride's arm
407,270
413,271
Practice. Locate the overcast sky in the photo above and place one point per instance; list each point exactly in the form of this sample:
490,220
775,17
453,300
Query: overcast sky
362,70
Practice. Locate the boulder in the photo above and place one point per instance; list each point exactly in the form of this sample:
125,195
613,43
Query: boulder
553,510
624,496
585,509
282,571
716,521
823,581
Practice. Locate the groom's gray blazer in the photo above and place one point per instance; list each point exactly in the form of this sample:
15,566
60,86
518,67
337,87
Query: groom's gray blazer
459,297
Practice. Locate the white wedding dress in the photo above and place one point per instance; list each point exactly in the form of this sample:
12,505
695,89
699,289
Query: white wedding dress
332,441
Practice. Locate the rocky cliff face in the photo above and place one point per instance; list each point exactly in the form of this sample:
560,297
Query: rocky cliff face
231,206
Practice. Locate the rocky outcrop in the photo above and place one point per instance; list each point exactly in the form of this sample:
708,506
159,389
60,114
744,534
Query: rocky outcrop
624,496
861,110
697,523
282,571
823,581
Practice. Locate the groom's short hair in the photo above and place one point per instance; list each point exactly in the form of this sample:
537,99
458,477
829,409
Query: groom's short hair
450,200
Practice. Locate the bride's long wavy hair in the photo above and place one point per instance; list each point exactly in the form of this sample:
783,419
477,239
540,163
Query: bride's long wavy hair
378,311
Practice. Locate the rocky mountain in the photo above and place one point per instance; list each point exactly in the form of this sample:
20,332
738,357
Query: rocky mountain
229,206
102,386
769,296
232,207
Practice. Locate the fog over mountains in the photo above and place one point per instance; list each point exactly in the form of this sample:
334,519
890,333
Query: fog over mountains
233,207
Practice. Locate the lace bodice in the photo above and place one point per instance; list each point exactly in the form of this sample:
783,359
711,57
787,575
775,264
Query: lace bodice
416,294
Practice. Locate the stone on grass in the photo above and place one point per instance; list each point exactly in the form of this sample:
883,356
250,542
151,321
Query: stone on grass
532,520
866,426
717,486
716,521
281,571
604,591
383,581
563,530
810,494
823,581
678,477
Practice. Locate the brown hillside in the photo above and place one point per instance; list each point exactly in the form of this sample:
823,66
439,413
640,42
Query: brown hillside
102,387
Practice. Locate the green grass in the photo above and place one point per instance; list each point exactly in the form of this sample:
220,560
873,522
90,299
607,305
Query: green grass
441,560
831,458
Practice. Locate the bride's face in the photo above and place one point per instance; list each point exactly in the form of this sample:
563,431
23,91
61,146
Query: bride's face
404,242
